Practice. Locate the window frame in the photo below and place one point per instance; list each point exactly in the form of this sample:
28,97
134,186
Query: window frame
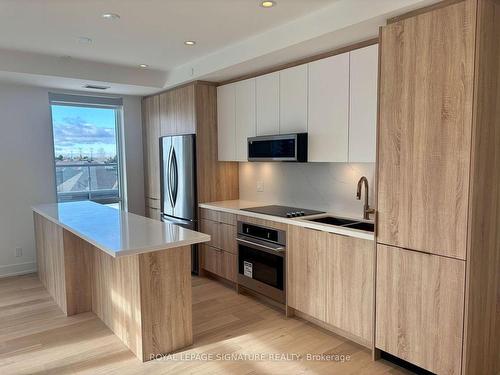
114,103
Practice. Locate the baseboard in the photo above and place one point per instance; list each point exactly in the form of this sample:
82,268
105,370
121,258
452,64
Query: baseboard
17,269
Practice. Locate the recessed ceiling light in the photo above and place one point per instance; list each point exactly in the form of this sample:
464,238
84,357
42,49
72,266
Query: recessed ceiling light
189,42
110,16
84,40
267,4
143,66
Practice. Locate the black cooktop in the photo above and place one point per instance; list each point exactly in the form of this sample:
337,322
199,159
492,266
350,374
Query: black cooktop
282,211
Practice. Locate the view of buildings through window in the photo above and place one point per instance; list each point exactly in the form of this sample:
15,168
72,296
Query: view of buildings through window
86,153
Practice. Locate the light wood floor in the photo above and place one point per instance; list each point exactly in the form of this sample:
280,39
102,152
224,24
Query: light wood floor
36,338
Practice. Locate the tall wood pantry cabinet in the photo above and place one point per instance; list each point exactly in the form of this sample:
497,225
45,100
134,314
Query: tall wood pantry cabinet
438,214
188,109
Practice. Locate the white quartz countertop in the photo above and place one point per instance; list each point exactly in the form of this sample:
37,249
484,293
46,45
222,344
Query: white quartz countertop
237,206
116,232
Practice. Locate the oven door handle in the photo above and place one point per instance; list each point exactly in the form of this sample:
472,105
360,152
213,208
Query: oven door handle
258,246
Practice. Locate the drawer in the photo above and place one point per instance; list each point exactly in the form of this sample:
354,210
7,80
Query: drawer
153,202
227,238
223,236
219,262
219,216
212,229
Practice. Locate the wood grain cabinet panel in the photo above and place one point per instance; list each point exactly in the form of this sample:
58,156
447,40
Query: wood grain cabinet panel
151,144
177,111
420,307
212,229
183,107
349,299
153,213
223,236
307,271
167,118
219,216
425,131
227,238
219,262
219,256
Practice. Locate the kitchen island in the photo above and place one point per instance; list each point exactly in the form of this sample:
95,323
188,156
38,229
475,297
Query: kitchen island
134,273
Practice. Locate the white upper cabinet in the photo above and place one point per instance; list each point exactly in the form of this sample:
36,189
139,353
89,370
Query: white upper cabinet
226,122
328,116
334,100
268,104
363,108
245,116
293,100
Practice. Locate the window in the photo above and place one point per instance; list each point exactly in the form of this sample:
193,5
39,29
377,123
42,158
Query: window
87,148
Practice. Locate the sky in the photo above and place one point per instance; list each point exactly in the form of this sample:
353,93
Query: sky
80,129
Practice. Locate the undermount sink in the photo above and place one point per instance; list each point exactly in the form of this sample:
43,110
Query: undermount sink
346,223
333,221
368,227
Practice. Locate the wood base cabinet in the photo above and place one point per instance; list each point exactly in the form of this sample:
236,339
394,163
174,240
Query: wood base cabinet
420,308
219,262
330,278
306,270
220,255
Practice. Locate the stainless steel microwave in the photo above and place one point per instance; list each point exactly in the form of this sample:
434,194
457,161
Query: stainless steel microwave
283,147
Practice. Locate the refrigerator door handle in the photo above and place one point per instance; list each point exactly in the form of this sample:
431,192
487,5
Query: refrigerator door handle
169,177
175,174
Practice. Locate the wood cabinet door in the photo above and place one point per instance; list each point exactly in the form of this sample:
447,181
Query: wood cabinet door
307,271
219,262
363,104
226,123
167,119
426,89
183,109
212,229
328,115
350,287
420,307
268,104
293,100
177,111
244,116
151,144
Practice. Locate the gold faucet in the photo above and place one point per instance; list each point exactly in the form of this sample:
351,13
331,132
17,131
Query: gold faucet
366,208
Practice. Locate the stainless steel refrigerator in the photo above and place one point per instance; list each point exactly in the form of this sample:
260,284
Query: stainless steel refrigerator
178,184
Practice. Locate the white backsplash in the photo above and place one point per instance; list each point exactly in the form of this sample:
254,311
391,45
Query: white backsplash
322,186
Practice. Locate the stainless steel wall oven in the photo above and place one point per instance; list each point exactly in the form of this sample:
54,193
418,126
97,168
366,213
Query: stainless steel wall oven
261,260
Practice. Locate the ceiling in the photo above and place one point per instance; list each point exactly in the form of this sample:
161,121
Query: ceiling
148,32
40,40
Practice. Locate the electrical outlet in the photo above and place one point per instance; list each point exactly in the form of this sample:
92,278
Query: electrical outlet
19,252
260,186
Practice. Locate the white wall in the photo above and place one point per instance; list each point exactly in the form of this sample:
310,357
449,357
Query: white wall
323,186
27,168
